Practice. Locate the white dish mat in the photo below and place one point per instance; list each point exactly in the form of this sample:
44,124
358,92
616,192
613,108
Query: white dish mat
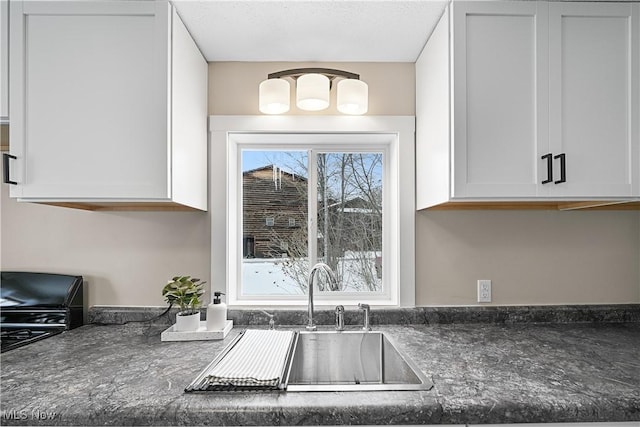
257,359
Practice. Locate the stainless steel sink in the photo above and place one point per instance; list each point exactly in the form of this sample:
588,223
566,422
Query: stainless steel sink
350,361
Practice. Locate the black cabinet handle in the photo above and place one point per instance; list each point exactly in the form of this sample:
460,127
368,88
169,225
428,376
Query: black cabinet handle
5,165
563,168
549,158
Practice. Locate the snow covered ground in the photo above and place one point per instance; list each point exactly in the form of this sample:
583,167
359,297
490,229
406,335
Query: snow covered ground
267,276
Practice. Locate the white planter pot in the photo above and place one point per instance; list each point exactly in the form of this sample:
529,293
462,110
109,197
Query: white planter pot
189,322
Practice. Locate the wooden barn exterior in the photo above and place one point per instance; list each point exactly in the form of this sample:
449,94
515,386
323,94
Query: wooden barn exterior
274,212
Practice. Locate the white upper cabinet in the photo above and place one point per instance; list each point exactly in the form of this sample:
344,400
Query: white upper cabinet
528,101
593,81
498,80
4,61
108,105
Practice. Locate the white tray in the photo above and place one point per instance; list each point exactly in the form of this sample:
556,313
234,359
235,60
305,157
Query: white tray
201,334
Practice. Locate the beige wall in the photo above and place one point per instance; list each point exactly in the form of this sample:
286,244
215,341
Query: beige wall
126,257
532,257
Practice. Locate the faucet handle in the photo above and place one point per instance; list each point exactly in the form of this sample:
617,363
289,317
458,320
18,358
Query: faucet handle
339,318
272,323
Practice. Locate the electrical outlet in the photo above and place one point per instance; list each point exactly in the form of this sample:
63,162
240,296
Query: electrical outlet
484,290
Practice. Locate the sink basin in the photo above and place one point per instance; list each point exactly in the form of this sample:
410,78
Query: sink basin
351,361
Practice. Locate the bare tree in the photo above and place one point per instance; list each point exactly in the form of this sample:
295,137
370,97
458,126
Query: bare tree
349,221
296,264
350,217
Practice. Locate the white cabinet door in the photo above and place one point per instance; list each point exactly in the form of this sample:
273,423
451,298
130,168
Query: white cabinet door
4,61
92,100
594,82
499,98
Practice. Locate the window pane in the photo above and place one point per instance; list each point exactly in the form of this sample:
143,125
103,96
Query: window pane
274,222
350,218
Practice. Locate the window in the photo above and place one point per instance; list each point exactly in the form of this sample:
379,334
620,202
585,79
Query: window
334,197
270,221
341,190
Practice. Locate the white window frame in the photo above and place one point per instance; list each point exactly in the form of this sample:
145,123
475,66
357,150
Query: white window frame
395,133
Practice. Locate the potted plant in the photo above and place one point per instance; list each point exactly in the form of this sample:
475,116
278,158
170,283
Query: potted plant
186,292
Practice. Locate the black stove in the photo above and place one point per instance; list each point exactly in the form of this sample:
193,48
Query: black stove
19,337
34,306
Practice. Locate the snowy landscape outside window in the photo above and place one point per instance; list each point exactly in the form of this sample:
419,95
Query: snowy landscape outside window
341,191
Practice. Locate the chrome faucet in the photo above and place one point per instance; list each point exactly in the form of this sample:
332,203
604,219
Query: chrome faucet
365,308
333,285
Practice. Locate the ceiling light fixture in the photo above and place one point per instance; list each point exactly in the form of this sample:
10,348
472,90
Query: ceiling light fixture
312,91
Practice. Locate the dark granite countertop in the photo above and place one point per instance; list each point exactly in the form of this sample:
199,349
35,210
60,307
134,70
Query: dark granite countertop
483,373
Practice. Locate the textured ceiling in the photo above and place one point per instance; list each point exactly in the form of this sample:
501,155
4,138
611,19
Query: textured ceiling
310,30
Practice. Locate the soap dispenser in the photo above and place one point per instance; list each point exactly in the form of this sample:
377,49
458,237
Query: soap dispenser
216,313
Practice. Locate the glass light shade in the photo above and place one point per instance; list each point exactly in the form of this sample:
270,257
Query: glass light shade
274,96
353,96
312,92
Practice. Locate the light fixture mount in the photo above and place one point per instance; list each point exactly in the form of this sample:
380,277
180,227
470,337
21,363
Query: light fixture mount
331,73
